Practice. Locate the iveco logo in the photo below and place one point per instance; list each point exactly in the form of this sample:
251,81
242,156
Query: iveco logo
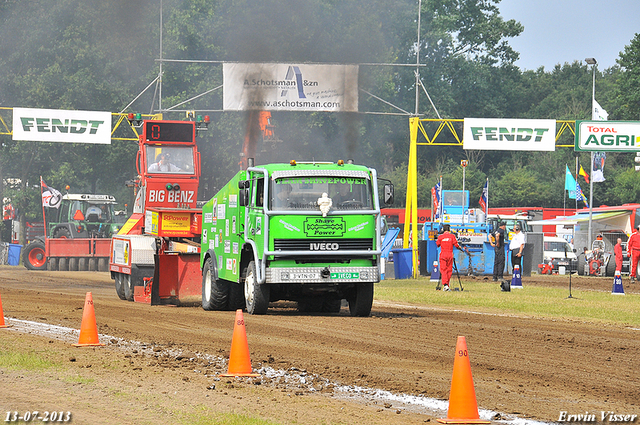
324,246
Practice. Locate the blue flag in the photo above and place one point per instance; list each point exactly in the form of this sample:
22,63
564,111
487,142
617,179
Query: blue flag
570,184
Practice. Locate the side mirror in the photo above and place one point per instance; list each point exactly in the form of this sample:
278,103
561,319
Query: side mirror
243,184
388,194
243,197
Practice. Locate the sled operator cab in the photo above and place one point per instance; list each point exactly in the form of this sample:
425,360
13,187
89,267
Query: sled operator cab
155,254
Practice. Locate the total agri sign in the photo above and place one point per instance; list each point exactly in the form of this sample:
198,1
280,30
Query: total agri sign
608,136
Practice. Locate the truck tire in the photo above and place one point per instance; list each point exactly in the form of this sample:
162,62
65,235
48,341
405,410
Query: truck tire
73,264
236,296
361,302
34,257
93,264
52,264
256,296
63,264
127,287
581,264
331,305
83,264
119,286
611,266
215,292
62,233
103,264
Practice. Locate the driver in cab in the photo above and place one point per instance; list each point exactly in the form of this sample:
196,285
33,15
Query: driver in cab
163,165
344,194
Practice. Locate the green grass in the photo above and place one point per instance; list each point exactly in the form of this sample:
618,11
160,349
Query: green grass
533,300
207,417
28,360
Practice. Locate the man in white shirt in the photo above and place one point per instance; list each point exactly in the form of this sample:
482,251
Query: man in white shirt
163,165
516,246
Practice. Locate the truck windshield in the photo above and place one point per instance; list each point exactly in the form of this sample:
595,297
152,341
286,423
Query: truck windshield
302,193
172,160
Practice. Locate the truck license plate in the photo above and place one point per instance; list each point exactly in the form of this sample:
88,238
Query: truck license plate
304,276
345,275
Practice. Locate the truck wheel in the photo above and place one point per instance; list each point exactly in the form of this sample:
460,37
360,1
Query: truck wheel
611,266
62,233
256,296
34,257
83,264
310,305
360,304
331,305
63,264
236,296
52,264
581,264
119,286
215,292
73,264
103,264
93,264
127,285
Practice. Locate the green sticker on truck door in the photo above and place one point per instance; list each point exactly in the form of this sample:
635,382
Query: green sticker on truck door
324,226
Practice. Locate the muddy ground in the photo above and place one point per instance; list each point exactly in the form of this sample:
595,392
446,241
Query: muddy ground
522,366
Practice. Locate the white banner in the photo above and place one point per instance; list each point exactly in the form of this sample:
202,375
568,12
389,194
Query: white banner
55,125
509,134
609,136
283,87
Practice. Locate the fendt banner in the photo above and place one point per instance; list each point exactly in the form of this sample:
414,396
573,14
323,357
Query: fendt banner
55,125
608,136
287,87
509,134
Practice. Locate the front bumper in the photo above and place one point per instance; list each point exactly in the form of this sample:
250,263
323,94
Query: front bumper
324,275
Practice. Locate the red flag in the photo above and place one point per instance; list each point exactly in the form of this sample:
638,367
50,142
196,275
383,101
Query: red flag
584,174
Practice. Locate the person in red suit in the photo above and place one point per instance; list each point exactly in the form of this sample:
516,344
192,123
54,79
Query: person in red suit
633,248
617,250
446,241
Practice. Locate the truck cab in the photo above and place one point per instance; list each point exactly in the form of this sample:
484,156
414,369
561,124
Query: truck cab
307,232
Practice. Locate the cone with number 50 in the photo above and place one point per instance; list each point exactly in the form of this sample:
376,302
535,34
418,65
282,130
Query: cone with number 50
463,407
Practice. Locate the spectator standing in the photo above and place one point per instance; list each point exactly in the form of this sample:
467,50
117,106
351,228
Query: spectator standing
516,246
498,259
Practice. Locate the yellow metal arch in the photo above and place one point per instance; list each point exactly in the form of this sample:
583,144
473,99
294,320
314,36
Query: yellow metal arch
441,137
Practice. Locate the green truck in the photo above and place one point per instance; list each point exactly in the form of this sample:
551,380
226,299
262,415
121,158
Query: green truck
305,232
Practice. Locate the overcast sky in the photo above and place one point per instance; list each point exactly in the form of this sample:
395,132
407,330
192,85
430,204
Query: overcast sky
559,31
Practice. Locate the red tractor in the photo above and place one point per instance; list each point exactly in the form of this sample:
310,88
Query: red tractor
155,256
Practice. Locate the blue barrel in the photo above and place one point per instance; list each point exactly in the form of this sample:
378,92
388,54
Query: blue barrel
403,263
13,258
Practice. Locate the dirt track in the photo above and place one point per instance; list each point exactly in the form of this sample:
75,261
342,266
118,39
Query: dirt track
532,368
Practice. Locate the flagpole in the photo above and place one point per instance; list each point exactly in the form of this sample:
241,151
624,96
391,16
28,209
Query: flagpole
486,204
440,204
593,104
576,180
44,218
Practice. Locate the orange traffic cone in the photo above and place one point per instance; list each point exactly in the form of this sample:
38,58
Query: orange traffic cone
239,359
2,325
463,407
88,329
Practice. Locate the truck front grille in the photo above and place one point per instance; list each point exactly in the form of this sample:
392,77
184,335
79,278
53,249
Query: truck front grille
321,245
